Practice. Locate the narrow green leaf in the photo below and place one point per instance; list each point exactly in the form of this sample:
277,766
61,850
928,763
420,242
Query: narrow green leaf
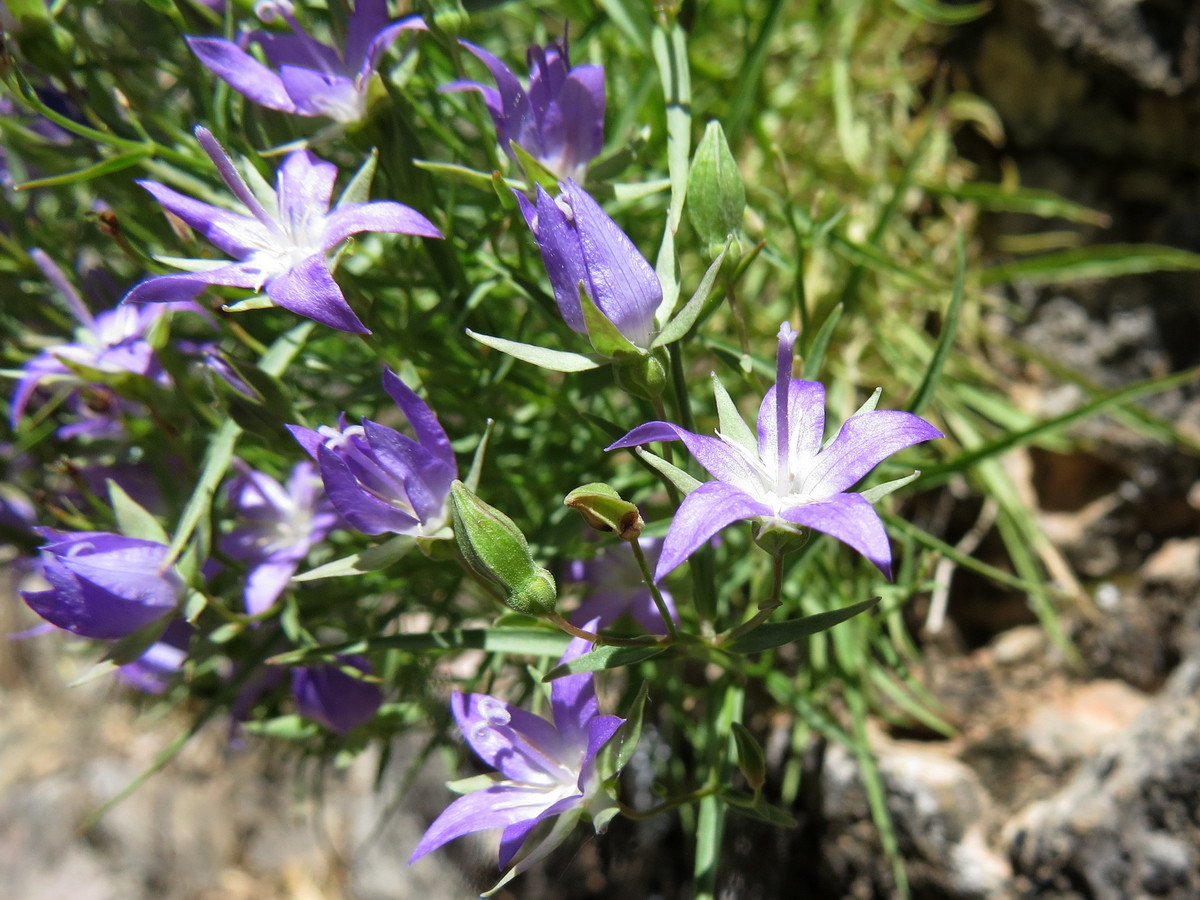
681,323
481,180
1033,201
524,641
472,479
290,727
604,657
751,760
373,559
535,171
776,634
132,519
554,360
945,342
814,357
619,750
945,13
1102,261
757,808
105,167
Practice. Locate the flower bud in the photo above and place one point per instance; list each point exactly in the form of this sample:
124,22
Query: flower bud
716,196
497,552
642,376
603,509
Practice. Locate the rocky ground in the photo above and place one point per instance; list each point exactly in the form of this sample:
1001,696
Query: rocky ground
1067,780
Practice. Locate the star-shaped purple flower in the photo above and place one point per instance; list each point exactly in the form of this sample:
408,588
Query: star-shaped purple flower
788,476
559,121
614,588
313,79
282,249
276,527
546,768
381,480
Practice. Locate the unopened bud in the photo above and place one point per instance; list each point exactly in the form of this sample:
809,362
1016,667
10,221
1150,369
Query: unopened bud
716,196
497,552
603,509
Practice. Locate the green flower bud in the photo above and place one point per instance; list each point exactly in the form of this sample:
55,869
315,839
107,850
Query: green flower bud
716,196
603,509
779,537
751,760
497,552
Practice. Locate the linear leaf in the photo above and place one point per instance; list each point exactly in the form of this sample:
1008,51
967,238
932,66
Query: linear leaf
776,634
554,360
604,657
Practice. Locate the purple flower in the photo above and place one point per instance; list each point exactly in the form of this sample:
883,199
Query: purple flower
153,671
313,79
548,768
338,701
280,250
104,585
614,585
276,527
112,343
383,481
580,244
788,477
559,121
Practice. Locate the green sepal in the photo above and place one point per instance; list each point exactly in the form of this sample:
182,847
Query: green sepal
535,171
373,559
681,323
131,647
133,520
554,360
358,190
605,337
757,808
615,755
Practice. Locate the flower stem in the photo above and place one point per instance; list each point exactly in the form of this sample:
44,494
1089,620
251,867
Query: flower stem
602,639
667,805
655,593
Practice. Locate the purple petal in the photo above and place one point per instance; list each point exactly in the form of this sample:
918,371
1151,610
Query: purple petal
426,479
703,513
514,835
243,72
599,732
581,102
562,255
573,698
520,745
304,185
498,806
852,520
292,49
369,18
308,289
234,234
322,94
380,215
515,107
264,584
310,440
377,45
338,701
424,423
624,286
190,285
806,422
491,96
721,460
35,370
361,510
864,441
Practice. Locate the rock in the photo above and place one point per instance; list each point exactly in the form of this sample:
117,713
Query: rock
939,810
1082,722
1128,824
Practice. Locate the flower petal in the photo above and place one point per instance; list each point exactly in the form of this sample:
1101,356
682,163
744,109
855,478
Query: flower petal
573,698
426,479
291,49
599,732
308,289
424,423
243,72
520,745
581,102
864,441
806,422
322,94
264,584
234,234
703,513
304,185
514,835
379,215
720,459
624,285
562,255
498,806
377,45
853,521
190,285
362,511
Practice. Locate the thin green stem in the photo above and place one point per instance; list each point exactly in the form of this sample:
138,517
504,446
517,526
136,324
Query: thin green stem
655,593
602,639
765,608
667,805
